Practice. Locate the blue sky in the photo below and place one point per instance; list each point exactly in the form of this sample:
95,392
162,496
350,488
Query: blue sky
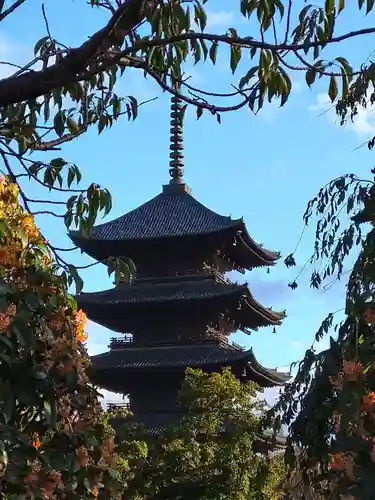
264,168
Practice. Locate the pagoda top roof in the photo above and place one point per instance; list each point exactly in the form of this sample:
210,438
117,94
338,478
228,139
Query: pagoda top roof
200,355
174,213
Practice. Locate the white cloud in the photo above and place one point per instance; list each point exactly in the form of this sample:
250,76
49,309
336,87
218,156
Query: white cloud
110,397
221,18
296,344
271,395
15,52
296,86
363,124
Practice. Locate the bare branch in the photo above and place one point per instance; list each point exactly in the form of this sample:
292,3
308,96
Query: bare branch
46,21
48,212
11,9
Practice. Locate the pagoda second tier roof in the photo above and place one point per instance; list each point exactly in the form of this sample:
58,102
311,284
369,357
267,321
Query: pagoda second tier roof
118,362
174,214
118,307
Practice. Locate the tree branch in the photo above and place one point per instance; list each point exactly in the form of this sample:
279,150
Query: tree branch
247,42
11,9
48,212
36,83
127,17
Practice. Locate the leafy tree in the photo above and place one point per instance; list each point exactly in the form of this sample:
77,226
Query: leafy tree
210,454
74,88
330,405
54,441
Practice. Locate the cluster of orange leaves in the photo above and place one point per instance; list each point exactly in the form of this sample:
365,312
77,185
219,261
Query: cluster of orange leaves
81,322
10,209
353,371
7,317
64,352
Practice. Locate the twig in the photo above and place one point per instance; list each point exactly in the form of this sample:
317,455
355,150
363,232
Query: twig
64,249
46,21
22,162
14,179
288,17
11,9
48,212
52,202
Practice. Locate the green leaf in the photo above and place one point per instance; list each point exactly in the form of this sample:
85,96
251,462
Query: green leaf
310,76
39,44
369,6
213,52
249,75
5,358
76,278
235,56
50,412
59,123
6,402
105,201
72,125
199,112
134,106
290,261
204,49
329,6
22,144
341,5
58,163
200,16
71,176
102,123
333,88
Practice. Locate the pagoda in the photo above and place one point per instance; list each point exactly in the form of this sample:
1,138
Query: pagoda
180,309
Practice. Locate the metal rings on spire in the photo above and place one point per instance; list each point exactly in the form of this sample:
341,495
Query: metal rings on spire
176,163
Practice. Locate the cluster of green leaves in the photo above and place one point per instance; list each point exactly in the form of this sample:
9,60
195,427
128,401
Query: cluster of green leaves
76,89
322,390
210,453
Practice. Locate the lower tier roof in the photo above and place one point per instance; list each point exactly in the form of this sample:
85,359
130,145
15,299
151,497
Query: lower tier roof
127,306
117,363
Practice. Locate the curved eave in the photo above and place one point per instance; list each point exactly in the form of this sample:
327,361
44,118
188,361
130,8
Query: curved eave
236,243
164,217
247,245
111,367
273,377
151,295
111,308
251,305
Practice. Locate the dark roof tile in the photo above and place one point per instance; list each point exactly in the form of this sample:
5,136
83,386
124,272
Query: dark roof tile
162,216
193,356
143,292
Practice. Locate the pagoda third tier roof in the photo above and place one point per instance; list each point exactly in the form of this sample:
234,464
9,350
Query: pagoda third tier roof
121,308
174,214
111,368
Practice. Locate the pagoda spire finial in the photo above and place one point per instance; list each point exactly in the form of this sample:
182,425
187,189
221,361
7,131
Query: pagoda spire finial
176,163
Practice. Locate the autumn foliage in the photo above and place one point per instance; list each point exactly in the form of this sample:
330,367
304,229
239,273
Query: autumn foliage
53,440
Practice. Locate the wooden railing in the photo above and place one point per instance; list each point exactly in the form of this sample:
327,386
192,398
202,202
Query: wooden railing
120,404
213,336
